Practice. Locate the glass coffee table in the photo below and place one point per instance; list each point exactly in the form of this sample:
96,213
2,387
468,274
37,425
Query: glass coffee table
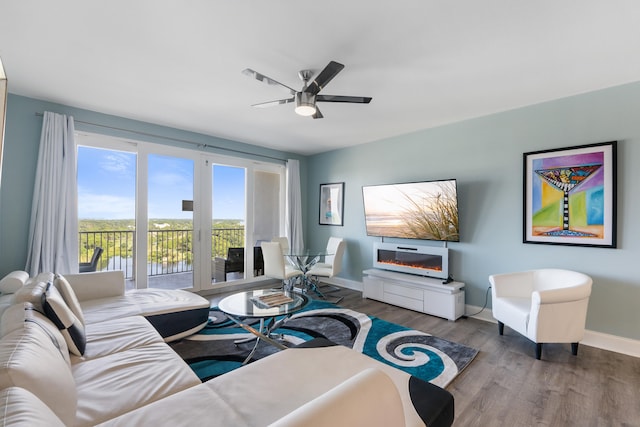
273,307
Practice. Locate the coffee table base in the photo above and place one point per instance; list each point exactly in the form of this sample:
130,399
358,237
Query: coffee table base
259,335
253,305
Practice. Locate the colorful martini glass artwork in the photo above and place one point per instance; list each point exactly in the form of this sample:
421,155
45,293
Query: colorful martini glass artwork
568,196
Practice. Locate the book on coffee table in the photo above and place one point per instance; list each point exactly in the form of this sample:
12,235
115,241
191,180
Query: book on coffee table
272,300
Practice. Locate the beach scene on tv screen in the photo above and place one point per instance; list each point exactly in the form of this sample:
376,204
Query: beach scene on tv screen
418,210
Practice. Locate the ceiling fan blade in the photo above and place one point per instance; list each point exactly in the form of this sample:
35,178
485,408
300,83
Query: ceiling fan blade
273,103
330,71
318,114
339,98
268,80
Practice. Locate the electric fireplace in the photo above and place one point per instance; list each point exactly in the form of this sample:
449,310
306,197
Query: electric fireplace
427,261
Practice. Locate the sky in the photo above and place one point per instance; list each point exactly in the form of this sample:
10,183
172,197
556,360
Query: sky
106,186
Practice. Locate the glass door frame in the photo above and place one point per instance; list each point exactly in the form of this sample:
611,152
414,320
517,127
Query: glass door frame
205,215
142,203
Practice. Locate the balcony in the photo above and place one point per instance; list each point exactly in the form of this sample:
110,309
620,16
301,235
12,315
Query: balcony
170,256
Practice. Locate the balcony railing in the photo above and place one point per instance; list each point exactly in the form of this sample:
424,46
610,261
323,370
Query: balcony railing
169,251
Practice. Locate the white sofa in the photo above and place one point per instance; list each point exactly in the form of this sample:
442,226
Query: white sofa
127,374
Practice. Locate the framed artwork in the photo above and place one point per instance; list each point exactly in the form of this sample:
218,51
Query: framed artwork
570,196
331,204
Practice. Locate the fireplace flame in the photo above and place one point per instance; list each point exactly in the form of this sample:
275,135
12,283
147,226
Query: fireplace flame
411,265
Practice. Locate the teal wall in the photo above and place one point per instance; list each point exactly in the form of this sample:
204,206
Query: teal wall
22,139
485,156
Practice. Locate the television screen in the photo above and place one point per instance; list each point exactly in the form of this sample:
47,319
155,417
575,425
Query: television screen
414,210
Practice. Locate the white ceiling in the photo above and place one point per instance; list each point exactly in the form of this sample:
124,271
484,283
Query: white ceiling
424,62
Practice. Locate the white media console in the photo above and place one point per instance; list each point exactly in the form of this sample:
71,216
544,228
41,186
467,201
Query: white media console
414,292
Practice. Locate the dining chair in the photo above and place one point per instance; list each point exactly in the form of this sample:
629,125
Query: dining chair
275,267
331,266
284,244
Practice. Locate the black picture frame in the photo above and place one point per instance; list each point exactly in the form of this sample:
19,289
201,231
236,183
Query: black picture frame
570,196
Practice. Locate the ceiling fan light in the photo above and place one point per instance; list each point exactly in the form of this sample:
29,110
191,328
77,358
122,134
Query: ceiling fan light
305,104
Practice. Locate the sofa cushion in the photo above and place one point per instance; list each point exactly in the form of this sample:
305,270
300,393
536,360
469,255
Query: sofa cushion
28,359
368,399
69,296
121,382
514,311
19,407
13,281
72,329
16,316
200,402
116,335
99,310
376,403
174,313
312,372
6,301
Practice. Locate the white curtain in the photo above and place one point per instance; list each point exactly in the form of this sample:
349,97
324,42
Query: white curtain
53,231
293,221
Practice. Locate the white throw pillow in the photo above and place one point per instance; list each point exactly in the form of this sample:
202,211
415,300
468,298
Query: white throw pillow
31,292
45,277
69,296
13,281
61,315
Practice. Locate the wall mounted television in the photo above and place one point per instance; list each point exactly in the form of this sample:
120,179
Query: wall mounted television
426,210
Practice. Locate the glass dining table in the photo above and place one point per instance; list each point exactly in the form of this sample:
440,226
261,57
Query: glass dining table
304,260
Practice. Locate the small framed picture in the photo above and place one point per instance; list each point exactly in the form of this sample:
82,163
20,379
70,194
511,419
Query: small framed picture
332,204
570,196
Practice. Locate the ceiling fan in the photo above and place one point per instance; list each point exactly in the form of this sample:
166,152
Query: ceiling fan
306,98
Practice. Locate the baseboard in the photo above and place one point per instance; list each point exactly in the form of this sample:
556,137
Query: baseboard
354,285
595,339
479,313
613,343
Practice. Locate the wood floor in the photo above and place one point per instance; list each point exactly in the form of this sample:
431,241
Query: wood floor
506,386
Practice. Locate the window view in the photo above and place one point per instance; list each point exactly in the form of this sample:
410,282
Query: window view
228,223
106,209
170,222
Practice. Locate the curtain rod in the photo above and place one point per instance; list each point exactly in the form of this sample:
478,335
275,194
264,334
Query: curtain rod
199,144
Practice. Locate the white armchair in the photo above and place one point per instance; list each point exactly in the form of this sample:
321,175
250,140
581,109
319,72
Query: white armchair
546,305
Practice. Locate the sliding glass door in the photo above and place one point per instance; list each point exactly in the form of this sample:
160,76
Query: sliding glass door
175,218
247,205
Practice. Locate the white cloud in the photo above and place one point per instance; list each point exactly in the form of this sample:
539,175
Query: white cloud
120,163
102,206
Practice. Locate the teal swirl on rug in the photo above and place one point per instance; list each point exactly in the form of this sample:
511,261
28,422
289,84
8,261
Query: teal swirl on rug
212,351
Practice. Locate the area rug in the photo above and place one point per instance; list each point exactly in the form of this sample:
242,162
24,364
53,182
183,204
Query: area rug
212,352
